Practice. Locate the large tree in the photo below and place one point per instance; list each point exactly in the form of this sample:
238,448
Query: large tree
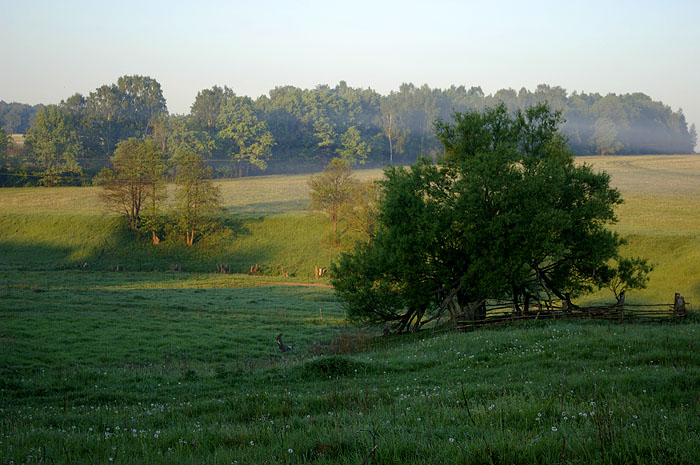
136,176
55,144
505,214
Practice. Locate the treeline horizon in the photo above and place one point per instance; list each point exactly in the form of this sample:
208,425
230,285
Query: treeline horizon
291,130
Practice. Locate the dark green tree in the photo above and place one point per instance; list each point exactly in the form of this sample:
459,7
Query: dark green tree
55,144
505,214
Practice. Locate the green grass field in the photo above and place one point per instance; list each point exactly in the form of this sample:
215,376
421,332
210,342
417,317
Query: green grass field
144,366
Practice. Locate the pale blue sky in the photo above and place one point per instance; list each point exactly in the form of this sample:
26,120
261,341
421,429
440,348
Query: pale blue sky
50,49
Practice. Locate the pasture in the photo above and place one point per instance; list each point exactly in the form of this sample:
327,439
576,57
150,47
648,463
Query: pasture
151,366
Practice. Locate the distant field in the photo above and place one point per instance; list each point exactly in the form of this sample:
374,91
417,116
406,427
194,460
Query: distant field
52,228
153,366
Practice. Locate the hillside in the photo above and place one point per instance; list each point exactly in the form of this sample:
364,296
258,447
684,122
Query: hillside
159,367
49,229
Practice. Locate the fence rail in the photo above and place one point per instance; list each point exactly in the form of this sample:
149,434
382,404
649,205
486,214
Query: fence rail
502,313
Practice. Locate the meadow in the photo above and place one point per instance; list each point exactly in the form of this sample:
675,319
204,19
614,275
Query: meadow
148,365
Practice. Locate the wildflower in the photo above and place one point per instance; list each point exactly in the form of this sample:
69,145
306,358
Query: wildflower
252,443
291,451
452,439
554,428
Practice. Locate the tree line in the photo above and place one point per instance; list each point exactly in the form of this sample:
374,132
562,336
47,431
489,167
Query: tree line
292,129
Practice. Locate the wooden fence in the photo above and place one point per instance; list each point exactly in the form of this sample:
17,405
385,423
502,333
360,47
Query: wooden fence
501,312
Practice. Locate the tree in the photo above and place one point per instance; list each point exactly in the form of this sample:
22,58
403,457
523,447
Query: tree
605,136
332,189
141,101
252,142
197,196
4,142
505,214
354,151
207,107
55,144
105,114
693,133
136,177
360,213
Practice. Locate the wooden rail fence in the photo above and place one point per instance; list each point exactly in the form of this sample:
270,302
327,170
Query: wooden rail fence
501,312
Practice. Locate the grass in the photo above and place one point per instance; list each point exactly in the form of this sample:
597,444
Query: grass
159,367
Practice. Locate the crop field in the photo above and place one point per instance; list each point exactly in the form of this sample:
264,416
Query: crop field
147,365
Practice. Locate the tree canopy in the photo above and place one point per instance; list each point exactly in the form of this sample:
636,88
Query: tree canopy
504,214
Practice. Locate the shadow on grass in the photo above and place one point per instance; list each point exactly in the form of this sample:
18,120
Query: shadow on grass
47,243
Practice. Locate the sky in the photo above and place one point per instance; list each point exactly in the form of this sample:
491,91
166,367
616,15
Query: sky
50,50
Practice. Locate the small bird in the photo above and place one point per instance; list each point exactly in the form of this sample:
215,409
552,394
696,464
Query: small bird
280,344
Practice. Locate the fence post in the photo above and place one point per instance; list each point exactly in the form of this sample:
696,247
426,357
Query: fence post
621,305
678,305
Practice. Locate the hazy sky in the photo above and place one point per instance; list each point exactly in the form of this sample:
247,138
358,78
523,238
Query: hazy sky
52,49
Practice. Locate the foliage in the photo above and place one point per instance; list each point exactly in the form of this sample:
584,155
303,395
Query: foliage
353,150
360,213
55,144
332,189
4,143
251,141
207,107
135,179
197,197
505,214
17,118
300,130
630,273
